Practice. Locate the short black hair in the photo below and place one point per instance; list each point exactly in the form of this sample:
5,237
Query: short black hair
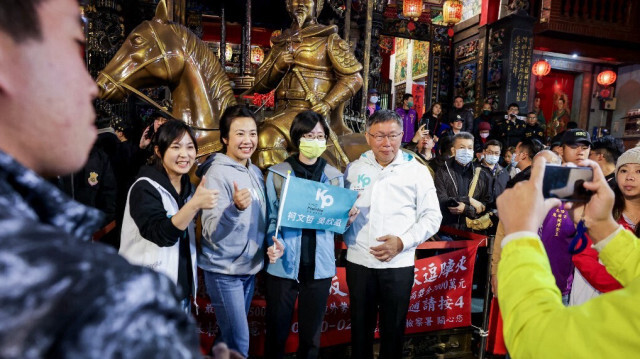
610,147
458,96
493,143
19,19
406,96
304,122
513,104
230,114
166,134
531,146
532,113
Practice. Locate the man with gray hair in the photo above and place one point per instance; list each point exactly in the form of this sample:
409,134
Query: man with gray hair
399,210
454,182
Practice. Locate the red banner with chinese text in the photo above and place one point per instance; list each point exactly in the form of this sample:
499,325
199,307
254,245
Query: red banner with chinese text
440,299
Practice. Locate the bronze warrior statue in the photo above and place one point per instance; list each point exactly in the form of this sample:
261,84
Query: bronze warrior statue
310,67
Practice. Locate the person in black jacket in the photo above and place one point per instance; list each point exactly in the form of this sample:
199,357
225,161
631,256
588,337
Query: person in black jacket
511,129
453,182
62,296
533,130
460,113
157,228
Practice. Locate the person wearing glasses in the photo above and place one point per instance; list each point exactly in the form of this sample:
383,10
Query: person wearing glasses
302,263
399,210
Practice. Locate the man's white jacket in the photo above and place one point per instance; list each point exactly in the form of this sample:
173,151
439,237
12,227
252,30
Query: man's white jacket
399,199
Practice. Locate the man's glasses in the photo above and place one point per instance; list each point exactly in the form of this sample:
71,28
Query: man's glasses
378,137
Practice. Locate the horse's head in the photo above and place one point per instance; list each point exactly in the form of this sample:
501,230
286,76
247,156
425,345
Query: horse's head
151,55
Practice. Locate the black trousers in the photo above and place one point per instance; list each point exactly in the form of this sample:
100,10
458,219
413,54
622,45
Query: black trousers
281,296
378,291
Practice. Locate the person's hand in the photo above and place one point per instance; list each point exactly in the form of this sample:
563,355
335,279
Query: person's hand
494,285
477,205
597,212
391,246
419,134
241,197
322,108
221,351
525,194
144,141
276,250
284,61
353,213
457,210
205,198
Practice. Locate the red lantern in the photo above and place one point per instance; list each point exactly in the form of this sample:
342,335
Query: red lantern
452,11
541,68
412,9
257,55
606,78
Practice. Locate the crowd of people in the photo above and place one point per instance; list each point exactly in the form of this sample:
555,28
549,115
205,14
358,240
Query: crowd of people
63,296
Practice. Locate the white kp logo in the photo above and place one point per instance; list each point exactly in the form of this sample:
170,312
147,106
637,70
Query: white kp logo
326,200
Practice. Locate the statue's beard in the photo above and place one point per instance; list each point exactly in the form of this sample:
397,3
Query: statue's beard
300,18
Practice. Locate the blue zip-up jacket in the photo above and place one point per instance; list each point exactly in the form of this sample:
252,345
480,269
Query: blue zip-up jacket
288,265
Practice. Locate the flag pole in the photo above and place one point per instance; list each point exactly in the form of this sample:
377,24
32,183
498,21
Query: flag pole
283,197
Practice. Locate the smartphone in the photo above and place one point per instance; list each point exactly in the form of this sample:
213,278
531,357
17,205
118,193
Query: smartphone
452,203
566,183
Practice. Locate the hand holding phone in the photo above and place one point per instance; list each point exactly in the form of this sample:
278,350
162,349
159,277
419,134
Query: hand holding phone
566,183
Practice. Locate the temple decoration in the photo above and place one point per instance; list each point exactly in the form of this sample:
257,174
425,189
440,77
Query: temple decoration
228,52
257,55
541,68
452,11
412,9
606,78
274,34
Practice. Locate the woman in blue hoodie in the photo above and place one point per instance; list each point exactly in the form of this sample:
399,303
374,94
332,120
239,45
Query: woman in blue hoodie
233,232
302,264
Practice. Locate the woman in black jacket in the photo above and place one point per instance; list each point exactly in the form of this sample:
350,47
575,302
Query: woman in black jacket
158,228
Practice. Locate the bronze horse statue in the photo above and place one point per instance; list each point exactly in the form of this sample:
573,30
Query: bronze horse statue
160,52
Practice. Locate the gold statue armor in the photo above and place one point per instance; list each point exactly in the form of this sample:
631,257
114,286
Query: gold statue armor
324,71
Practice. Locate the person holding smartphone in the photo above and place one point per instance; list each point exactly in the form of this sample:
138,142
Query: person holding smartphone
536,323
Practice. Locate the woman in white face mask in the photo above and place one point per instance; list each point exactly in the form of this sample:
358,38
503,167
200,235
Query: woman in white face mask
302,261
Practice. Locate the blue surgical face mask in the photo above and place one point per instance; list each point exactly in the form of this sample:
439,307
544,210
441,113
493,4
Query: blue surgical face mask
492,159
513,160
373,99
464,156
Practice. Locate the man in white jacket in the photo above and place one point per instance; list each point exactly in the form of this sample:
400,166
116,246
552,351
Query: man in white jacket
398,211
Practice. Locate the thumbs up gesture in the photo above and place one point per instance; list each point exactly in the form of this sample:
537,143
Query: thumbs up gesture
205,198
241,197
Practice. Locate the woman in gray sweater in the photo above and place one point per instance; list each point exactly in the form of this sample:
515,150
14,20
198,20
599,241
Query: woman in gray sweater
233,232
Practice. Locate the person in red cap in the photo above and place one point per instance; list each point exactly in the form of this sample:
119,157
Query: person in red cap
484,135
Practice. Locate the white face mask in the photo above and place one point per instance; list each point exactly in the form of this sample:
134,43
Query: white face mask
484,134
464,156
491,159
373,99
